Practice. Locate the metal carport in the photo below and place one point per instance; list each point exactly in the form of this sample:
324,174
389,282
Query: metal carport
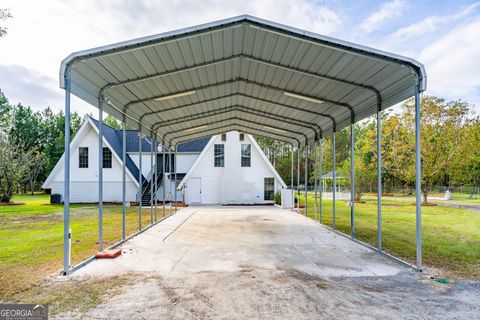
245,74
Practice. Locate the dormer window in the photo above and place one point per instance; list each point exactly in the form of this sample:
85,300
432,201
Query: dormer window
242,136
224,137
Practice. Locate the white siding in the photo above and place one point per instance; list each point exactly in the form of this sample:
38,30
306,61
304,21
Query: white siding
210,177
87,191
185,161
84,181
146,164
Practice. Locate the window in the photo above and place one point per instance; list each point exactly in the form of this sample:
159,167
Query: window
246,153
242,136
269,187
224,137
83,157
107,158
170,164
219,155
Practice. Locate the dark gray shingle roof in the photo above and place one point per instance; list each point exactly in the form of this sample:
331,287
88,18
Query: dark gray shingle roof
115,141
114,138
193,146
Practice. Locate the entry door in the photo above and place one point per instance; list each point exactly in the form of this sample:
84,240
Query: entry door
195,190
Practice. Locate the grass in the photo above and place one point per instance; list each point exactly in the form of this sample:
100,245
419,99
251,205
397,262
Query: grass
82,294
31,237
436,197
451,236
77,296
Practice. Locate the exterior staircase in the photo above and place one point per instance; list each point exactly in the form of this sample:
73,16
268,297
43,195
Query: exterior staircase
146,187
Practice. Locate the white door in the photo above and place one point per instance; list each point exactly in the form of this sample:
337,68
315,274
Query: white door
195,190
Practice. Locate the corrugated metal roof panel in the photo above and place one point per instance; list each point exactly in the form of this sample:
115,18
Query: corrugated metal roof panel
242,62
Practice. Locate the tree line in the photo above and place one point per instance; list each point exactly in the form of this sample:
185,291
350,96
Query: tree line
450,150
32,142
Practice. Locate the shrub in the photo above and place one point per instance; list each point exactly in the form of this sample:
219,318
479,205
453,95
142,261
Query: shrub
278,198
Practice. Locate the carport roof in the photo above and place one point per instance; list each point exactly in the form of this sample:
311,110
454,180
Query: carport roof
242,73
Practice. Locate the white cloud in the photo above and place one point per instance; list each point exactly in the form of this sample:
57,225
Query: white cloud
34,87
452,63
42,33
387,12
430,24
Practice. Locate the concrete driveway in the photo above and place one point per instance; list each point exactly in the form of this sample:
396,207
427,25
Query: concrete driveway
263,262
218,238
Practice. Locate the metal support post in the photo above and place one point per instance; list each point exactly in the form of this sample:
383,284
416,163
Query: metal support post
315,185
352,181
66,183
418,179
140,176
292,178
151,178
298,179
124,182
334,209
163,176
379,180
156,177
170,176
175,182
100,174
306,180
321,180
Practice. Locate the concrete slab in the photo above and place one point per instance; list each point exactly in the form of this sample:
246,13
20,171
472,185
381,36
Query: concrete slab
223,239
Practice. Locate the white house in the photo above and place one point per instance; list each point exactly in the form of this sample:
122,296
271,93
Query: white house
232,169
228,169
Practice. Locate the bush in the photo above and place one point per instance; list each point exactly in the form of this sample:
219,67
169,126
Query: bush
278,198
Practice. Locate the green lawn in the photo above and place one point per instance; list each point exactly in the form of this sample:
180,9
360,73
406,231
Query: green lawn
465,198
31,237
451,237
456,197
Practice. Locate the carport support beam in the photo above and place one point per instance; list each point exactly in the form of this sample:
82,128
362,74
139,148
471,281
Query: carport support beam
124,185
418,179
140,182
156,176
379,180
320,179
315,172
175,182
100,174
334,161
291,178
352,181
306,180
169,176
66,183
152,178
163,176
298,179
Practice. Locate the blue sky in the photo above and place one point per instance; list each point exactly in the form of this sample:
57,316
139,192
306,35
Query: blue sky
444,35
